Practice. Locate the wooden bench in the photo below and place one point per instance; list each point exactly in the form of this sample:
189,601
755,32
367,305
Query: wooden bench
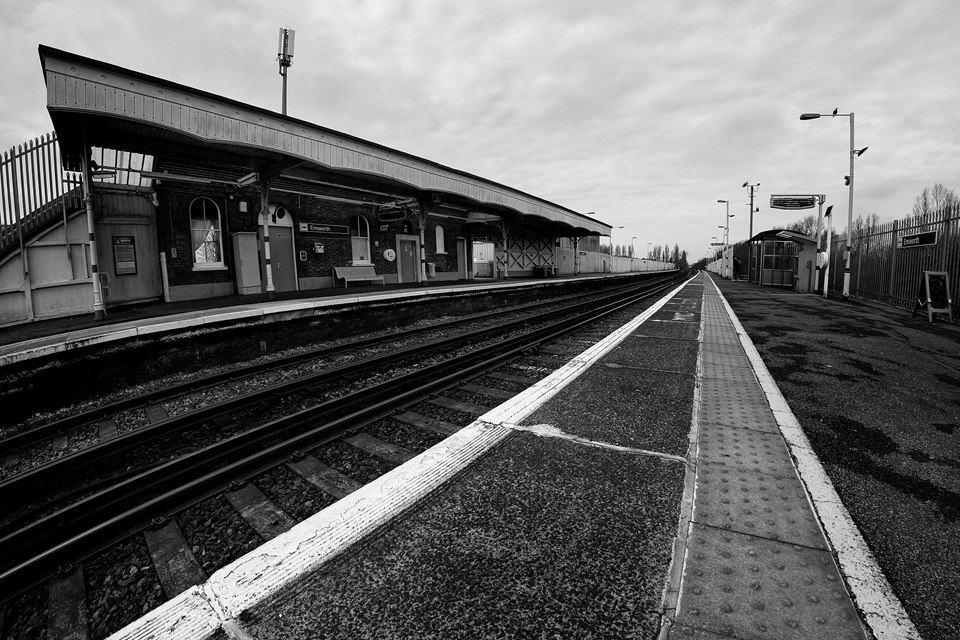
355,274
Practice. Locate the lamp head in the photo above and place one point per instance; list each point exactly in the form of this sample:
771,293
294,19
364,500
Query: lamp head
809,116
860,152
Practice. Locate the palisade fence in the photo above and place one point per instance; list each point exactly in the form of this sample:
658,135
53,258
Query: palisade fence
33,189
882,271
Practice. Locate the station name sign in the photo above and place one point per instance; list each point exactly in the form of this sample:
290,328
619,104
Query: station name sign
331,229
925,239
793,202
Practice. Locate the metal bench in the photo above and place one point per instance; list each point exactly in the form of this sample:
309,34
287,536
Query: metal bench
355,274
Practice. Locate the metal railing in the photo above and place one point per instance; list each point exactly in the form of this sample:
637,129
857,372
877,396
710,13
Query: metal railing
34,188
882,271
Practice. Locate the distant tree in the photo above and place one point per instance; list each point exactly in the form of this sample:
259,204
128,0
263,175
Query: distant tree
934,200
806,225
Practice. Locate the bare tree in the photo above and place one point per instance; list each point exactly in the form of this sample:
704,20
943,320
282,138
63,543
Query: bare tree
806,225
934,199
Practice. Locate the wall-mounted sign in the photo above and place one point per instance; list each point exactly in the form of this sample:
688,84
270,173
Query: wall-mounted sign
330,229
792,202
925,239
124,255
389,255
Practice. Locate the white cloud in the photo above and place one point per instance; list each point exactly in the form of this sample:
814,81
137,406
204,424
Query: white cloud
646,113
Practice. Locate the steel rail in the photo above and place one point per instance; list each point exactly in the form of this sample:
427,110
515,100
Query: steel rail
25,487
128,507
39,433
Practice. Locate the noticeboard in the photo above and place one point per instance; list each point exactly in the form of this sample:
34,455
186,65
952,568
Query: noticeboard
934,294
124,255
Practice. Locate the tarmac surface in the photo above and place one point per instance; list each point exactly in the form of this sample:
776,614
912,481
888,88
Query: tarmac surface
877,393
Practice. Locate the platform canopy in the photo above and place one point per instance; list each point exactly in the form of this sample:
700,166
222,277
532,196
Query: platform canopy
96,104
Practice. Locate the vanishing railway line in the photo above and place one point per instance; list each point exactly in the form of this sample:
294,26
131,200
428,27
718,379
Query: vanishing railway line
127,483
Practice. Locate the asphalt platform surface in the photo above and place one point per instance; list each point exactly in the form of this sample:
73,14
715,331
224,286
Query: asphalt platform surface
877,393
542,537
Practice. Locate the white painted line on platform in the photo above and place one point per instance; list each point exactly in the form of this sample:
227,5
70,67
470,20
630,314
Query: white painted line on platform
551,431
323,536
872,593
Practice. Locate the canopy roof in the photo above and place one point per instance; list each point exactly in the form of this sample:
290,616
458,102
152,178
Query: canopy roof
98,104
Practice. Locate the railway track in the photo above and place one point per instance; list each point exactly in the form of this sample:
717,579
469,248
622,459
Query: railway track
462,377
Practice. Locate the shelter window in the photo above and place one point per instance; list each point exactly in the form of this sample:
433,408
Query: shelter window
441,245
360,240
206,238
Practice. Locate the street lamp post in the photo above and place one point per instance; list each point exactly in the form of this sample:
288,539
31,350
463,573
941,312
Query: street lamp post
753,188
854,153
631,246
726,238
611,237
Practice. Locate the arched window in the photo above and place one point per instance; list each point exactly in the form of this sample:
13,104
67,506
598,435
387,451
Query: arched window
206,239
360,240
441,245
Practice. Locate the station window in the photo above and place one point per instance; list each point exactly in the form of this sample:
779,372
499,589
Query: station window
441,244
205,236
360,240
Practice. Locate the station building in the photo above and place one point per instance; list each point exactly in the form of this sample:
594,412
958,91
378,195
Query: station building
151,190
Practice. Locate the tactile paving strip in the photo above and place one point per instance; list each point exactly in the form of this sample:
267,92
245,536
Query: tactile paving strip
745,449
754,589
719,354
735,405
728,372
756,504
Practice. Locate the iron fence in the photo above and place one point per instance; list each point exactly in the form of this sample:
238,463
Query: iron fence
883,271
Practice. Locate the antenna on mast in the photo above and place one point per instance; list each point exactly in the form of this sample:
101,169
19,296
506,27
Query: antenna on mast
285,58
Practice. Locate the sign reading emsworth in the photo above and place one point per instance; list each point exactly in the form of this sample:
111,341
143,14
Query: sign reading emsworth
925,239
792,202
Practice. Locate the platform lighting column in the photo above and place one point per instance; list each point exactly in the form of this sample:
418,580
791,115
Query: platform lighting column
611,238
854,153
632,252
753,188
726,239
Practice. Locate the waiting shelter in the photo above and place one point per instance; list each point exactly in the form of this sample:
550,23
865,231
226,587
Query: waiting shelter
782,258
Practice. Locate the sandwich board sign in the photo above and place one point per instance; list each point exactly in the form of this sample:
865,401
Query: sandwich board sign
934,294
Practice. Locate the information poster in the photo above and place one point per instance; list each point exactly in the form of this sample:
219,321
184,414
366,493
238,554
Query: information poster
124,255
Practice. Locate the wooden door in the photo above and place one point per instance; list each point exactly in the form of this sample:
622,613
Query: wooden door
283,259
408,262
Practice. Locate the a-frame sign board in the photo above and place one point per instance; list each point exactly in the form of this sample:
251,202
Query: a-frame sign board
934,294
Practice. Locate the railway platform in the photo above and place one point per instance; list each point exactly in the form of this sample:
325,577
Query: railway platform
23,342
657,485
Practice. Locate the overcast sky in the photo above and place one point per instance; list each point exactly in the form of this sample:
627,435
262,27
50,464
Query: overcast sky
646,113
